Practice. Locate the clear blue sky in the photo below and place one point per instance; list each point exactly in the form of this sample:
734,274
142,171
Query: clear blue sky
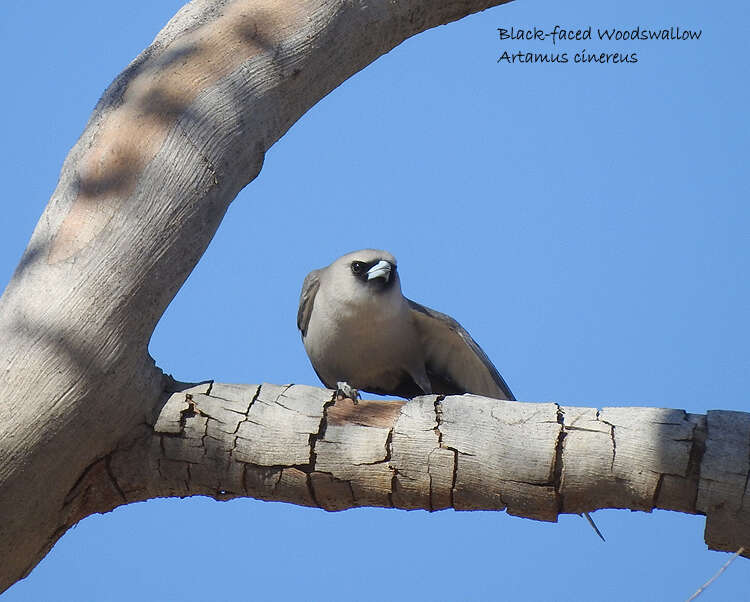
589,225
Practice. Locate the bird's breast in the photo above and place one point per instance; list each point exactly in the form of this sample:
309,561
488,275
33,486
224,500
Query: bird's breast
362,346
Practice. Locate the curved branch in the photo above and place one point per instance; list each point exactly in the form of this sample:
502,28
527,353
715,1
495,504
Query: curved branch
537,460
167,148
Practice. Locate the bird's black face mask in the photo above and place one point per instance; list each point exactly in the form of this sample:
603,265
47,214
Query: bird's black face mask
378,274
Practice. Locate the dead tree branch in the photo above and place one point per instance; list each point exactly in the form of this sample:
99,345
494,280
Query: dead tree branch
535,460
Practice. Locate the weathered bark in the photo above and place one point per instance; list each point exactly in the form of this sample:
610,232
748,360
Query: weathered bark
294,444
168,147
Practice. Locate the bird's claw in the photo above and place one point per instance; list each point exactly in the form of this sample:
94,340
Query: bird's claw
345,391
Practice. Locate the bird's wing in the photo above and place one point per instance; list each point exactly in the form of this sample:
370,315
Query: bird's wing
306,299
454,361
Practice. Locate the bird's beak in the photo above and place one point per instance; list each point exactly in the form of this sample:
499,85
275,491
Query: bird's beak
382,269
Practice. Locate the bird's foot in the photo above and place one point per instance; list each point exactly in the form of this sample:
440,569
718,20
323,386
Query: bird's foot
345,391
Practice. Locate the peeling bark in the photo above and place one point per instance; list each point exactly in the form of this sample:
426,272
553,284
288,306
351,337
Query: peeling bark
464,452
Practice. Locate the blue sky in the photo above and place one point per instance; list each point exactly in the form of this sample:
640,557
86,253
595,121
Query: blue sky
588,224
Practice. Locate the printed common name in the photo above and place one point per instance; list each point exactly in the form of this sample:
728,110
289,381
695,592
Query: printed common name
561,33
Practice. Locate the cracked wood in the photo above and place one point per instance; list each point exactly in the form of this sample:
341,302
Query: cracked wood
169,145
167,148
535,460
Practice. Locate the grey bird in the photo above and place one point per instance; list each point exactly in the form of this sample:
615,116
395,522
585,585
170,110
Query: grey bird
361,333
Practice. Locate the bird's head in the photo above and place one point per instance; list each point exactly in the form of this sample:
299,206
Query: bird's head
367,272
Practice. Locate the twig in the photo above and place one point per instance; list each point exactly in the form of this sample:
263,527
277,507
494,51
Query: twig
593,525
716,576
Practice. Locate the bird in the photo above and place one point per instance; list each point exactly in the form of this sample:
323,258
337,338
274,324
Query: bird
361,334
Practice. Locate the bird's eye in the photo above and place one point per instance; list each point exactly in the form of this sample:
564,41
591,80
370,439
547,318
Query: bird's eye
357,267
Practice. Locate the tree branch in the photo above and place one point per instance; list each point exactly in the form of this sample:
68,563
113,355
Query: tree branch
84,422
167,148
536,460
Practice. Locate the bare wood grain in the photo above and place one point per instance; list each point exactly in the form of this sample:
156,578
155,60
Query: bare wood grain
536,460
